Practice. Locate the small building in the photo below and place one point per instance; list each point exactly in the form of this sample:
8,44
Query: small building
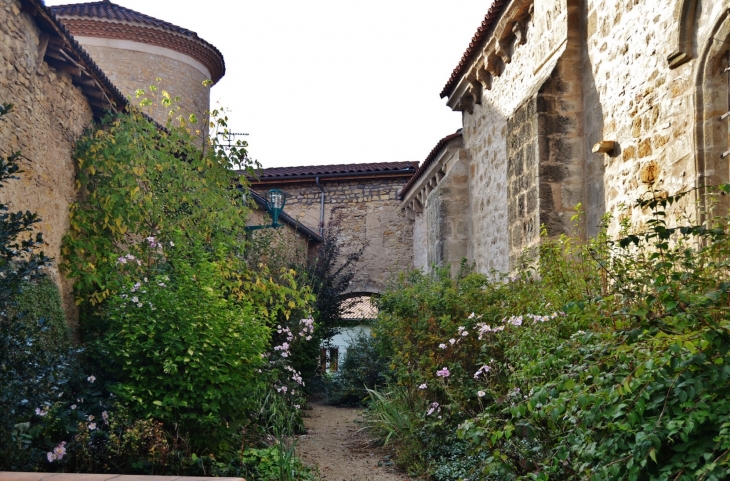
365,196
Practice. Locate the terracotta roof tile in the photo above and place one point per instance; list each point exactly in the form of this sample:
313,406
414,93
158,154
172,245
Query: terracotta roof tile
441,145
359,308
112,11
477,41
338,169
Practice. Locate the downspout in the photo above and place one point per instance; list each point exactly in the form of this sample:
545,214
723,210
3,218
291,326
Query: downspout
321,207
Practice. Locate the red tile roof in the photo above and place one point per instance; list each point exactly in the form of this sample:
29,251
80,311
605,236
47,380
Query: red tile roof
101,19
477,41
375,168
112,11
359,308
441,145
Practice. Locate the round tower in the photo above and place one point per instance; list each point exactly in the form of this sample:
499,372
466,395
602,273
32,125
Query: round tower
134,50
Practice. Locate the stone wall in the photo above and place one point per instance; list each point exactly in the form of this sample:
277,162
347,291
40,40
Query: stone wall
371,214
130,70
532,60
523,186
553,78
643,102
50,114
441,221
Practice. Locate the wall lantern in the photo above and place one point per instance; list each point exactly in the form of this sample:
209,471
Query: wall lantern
275,201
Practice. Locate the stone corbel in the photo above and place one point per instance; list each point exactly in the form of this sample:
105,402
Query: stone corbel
417,206
410,213
494,65
519,30
475,90
485,78
466,103
502,49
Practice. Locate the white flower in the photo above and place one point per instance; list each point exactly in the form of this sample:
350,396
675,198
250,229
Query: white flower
423,386
464,333
73,406
91,417
452,341
442,346
91,378
481,393
51,457
92,426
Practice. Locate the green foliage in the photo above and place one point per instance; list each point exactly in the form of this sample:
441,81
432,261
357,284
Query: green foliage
177,314
603,360
362,368
184,353
269,464
329,272
33,355
40,303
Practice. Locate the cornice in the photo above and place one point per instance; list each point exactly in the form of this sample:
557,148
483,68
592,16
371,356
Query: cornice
120,30
477,74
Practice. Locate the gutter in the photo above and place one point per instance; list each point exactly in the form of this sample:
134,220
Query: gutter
331,176
321,207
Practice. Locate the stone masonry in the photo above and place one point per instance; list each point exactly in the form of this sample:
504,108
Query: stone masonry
593,103
50,114
131,70
371,214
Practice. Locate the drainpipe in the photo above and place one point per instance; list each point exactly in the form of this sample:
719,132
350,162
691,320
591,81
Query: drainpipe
321,207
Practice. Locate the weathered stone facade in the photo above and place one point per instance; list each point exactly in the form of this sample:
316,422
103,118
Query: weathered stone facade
50,114
130,70
371,213
135,50
437,200
567,102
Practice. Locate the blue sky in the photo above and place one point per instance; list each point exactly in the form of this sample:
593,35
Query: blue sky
332,81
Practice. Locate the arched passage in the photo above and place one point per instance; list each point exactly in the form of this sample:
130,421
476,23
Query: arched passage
358,311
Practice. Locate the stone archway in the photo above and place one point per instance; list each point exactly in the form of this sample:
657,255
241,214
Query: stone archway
358,313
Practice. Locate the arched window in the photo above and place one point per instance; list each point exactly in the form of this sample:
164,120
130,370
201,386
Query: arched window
713,108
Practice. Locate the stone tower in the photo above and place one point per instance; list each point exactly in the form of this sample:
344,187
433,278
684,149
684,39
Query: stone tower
134,49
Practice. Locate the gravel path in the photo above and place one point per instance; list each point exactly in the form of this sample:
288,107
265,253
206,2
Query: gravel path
333,444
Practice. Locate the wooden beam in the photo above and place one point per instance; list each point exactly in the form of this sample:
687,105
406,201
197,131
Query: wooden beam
63,66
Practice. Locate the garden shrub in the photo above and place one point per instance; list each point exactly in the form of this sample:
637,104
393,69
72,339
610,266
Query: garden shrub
184,336
171,307
362,368
40,302
601,360
33,342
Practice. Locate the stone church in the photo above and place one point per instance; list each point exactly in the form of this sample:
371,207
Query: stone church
566,102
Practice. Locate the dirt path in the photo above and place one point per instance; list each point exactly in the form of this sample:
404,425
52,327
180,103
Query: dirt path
342,454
